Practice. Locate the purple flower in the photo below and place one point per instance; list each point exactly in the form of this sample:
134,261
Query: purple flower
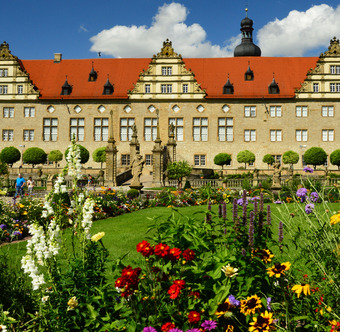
277,202
209,325
308,169
16,233
309,208
194,330
269,300
280,232
314,196
302,193
175,330
149,329
240,202
233,301
251,229
3,226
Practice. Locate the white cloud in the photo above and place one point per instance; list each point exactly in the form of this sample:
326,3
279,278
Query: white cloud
300,32
142,41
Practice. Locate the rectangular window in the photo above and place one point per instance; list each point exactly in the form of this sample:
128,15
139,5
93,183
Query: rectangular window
3,89
185,88
166,71
50,129
148,160
327,110
225,129
166,88
150,129
20,89
126,129
275,111
301,111
101,129
7,135
328,135
200,129
276,135
77,129
147,88
250,111
8,112
29,112
335,69
125,160
315,87
332,87
301,135
179,128
199,160
3,72
250,135
29,135
277,158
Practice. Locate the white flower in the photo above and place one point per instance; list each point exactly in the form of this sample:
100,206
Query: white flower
45,299
229,271
3,328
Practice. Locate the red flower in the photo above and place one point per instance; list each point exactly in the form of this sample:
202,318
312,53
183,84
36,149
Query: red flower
167,326
179,283
188,255
145,248
194,317
174,254
174,291
162,250
196,295
129,280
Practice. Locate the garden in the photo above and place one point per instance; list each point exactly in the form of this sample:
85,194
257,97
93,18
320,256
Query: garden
190,260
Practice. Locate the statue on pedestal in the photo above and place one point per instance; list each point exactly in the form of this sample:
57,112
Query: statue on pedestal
277,176
137,170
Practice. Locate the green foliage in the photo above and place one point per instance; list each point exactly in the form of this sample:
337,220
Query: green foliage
246,184
34,156
268,159
222,159
315,156
99,155
245,157
3,168
187,185
178,169
84,154
290,157
132,193
10,155
335,158
55,156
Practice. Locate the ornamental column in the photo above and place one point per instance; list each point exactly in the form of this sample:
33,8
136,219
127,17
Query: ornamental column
157,156
111,158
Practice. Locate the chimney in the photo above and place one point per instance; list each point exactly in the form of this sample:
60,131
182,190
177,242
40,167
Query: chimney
57,57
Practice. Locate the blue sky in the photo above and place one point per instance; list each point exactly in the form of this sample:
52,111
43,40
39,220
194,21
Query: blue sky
80,29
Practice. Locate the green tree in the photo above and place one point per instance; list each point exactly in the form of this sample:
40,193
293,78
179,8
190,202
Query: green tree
335,158
55,156
99,155
315,156
34,156
178,170
245,157
222,159
10,155
268,159
290,157
84,154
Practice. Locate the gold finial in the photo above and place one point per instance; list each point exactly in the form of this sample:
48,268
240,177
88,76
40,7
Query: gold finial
246,12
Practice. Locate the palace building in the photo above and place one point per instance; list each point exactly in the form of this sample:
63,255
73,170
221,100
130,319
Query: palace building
267,105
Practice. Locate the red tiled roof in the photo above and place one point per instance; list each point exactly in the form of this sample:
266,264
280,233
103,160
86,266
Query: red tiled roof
211,74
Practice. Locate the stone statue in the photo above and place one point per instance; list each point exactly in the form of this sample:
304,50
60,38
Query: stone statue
137,169
171,129
134,130
277,176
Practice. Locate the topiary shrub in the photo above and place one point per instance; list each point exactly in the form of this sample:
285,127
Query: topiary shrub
222,159
315,156
187,185
335,158
99,155
132,193
34,156
245,157
55,156
10,155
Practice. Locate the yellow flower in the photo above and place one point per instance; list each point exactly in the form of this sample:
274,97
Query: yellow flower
24,213
72,303
21,205
97,237
264,254
278,269
229,271
335,219
264,322
298,289
249,305
224,309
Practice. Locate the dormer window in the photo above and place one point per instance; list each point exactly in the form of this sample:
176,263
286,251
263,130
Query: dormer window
93,75
249,74
66,89
108,88
228,88
273,88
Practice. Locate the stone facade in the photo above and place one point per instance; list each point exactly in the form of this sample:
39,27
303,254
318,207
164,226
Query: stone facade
207,120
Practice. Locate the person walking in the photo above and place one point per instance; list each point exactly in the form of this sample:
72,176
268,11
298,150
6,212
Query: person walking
19,185
30,185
